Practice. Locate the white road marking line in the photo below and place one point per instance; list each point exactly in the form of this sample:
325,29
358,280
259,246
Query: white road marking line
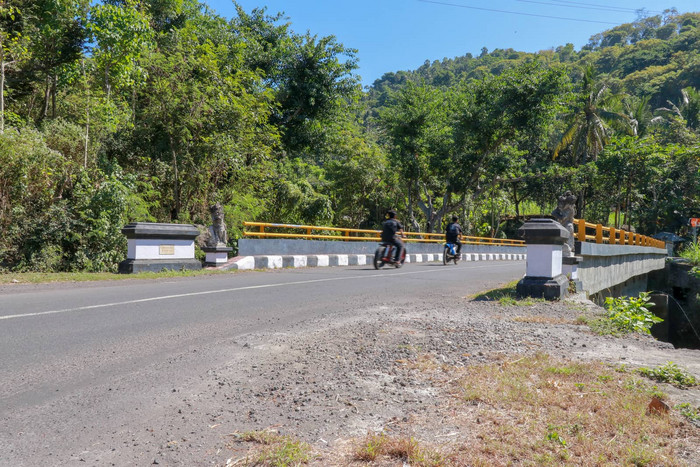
235,289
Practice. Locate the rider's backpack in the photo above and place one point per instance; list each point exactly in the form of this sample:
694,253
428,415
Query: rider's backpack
452,230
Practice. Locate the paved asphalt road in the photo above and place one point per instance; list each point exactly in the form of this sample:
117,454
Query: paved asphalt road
60,342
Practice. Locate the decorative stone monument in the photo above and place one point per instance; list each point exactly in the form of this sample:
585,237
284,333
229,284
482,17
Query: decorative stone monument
564,214
544,239
217,251
154,247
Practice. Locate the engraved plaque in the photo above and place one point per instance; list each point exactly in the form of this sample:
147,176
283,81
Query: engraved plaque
166,249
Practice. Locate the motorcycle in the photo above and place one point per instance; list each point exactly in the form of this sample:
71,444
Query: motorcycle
385,255
449,253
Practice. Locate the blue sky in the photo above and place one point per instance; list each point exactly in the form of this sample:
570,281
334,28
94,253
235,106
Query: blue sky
392,35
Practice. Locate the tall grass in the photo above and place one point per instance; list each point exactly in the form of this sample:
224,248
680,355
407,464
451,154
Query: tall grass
691,252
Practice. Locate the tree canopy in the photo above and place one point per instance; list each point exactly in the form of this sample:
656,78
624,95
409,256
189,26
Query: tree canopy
117,111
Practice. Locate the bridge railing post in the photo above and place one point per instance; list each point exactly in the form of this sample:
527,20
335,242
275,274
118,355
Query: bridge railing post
599,233
581,230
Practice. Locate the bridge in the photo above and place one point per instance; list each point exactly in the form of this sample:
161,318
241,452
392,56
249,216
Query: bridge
609,261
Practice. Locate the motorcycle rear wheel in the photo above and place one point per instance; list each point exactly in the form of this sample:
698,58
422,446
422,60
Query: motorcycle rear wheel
445,255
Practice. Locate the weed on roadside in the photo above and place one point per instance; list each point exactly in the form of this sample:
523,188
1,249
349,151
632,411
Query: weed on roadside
689,412
670,373
625,315
691,252
372,447
272,450
506,296
508,290
630,314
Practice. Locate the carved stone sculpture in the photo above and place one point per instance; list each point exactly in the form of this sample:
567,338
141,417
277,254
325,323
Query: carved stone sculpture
564,214
217,231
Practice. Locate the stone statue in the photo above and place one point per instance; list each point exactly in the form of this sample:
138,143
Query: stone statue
217,231
564,214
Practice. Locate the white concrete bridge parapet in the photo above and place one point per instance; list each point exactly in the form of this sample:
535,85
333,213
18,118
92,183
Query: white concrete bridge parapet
300,261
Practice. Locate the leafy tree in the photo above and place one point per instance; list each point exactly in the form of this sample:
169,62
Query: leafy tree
417,123
503,119
589,127
13,47
122,33
203,119
58,32
298,194
308,75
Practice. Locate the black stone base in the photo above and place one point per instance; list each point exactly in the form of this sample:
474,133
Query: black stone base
131,266
571,260
543,287
217,249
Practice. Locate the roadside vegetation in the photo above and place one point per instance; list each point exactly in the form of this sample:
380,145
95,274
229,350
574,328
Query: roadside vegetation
625,315
271,449
538,409
506,296
670,373
49,277
691,252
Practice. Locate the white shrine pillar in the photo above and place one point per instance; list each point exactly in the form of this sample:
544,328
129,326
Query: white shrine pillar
544,277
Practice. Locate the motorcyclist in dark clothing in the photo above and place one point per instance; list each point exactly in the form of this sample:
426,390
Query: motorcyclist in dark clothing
392,231
453,233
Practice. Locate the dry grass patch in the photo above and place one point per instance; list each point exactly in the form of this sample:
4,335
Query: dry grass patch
269,448
549,411
378,447
540,410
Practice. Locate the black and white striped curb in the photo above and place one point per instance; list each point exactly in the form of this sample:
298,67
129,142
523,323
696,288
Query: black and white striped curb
303,261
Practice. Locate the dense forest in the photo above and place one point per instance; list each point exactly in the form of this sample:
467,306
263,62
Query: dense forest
151,110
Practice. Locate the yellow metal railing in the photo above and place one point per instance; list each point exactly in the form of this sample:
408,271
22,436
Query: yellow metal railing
342,234
611,235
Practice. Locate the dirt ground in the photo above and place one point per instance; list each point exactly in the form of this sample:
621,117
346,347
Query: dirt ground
330,383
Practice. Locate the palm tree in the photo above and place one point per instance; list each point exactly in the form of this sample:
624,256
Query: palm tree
639,110
589,130
688,110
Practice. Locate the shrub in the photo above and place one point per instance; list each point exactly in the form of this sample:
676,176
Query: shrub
628,314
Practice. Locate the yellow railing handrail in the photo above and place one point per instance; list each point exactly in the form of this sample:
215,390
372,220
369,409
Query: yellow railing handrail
614,236
345,235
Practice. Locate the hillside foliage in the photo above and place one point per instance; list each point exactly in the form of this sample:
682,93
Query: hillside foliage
118,111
